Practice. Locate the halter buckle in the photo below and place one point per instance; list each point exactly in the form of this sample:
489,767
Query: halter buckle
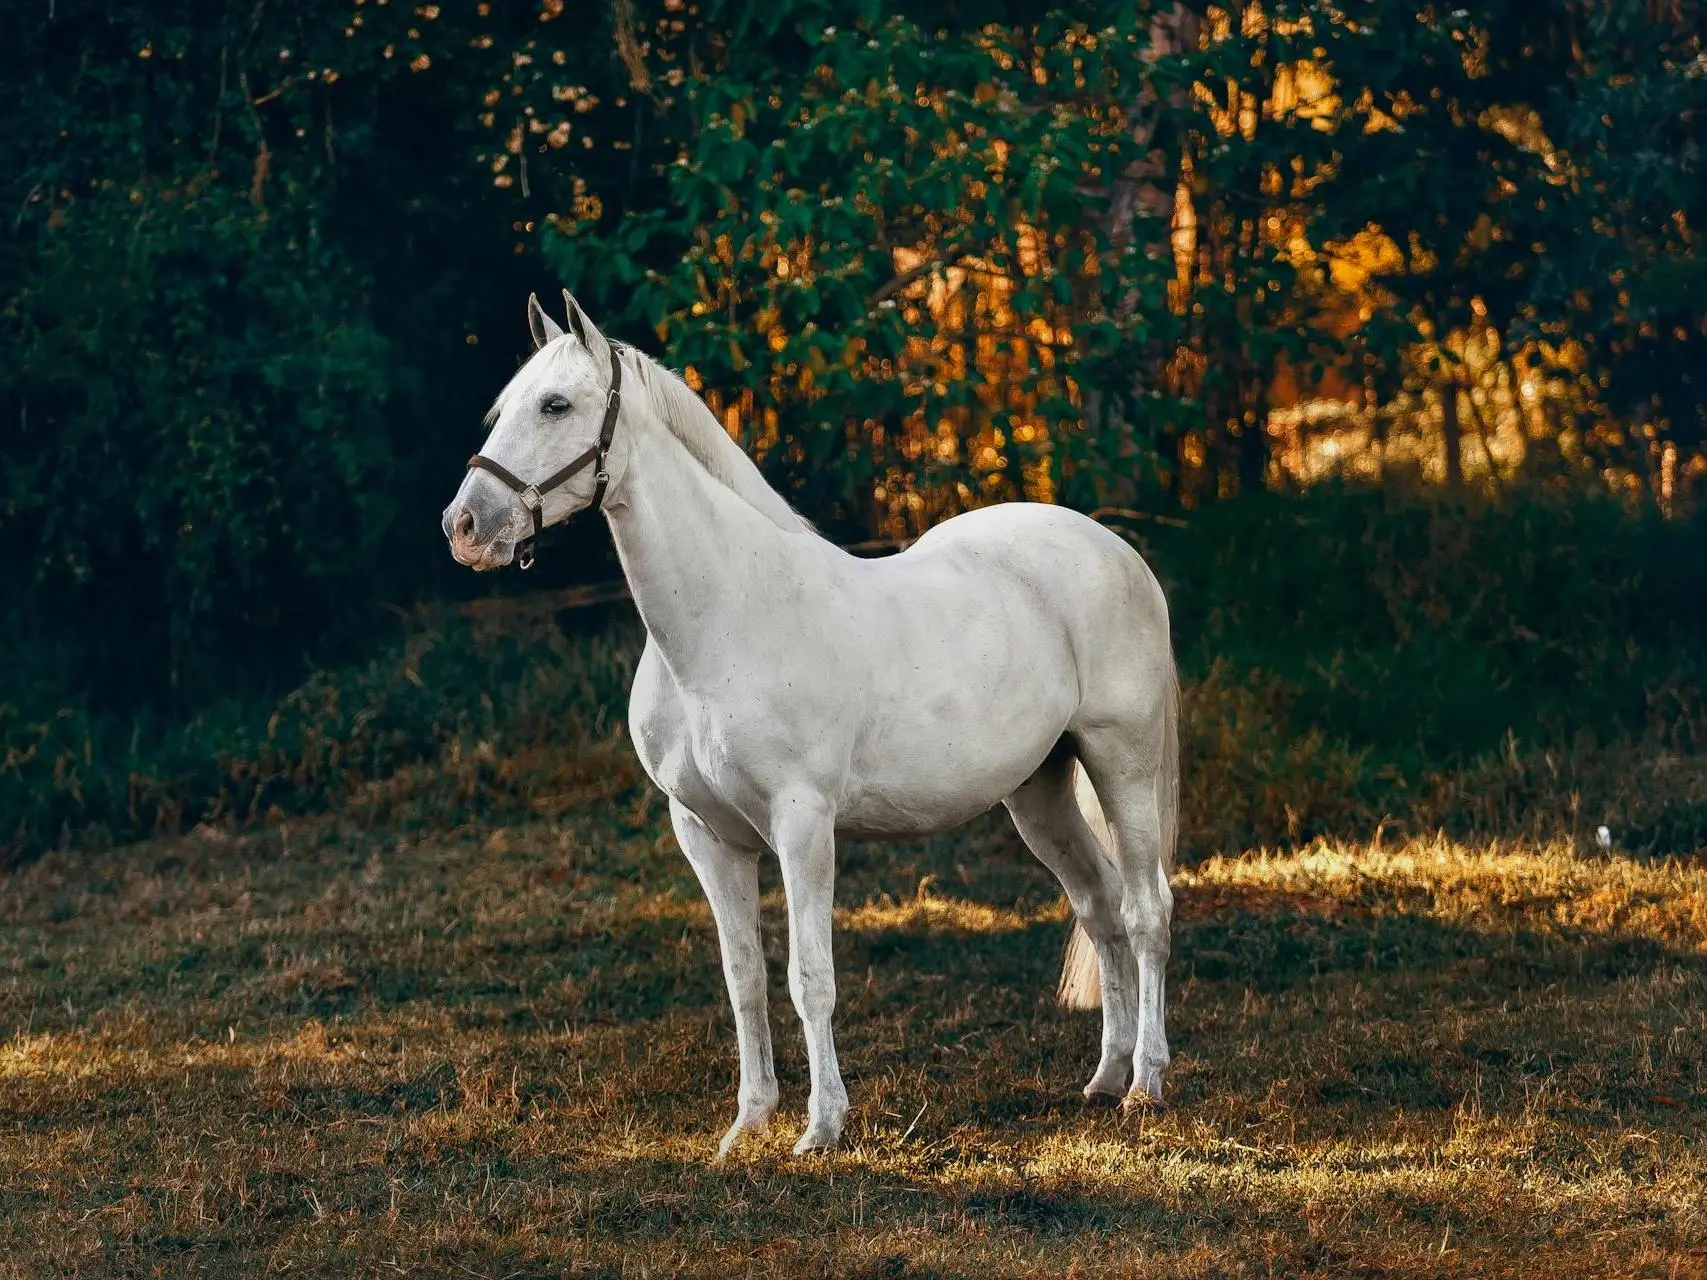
601,476
530,498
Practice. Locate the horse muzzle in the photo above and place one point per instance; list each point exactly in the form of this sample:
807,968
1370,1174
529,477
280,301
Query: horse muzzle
482,541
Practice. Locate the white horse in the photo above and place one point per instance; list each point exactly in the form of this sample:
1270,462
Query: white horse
791,694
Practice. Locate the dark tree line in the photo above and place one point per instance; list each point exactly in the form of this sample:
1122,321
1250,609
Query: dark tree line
262,267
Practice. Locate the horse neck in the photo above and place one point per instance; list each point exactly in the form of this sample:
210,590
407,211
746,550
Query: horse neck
691,548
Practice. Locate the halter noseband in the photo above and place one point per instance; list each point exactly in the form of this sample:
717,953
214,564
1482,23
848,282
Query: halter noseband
533,495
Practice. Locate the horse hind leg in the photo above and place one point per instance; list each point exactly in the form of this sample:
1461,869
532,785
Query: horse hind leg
1053,827
1133,767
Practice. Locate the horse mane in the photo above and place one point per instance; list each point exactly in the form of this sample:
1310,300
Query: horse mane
686,417
691,422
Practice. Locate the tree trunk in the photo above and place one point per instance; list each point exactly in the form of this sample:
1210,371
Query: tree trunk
1147,184
1452,436
1253,454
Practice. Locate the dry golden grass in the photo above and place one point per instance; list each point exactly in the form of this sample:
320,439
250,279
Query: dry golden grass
506,1052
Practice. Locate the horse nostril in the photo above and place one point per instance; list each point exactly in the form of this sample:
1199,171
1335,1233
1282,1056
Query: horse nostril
465,525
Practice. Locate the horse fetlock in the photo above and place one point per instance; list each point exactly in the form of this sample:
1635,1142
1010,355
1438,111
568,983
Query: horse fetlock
758,1108
753,1117
825,1114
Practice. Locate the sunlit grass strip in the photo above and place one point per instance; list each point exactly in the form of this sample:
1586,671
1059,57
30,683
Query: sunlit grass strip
1549,885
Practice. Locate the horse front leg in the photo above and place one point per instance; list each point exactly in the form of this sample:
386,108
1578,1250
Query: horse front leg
803,835
730,878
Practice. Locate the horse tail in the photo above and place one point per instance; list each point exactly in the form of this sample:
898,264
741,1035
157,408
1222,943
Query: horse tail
1167,777
1081,986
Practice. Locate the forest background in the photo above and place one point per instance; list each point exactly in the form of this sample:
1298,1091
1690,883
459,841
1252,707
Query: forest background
1380,327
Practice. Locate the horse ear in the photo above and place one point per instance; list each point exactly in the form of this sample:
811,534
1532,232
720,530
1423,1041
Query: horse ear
585,329
543,327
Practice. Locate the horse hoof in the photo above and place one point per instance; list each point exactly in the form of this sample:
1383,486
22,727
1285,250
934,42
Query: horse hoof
815,1140
1101,1100
745,1123
728,1143
1138,1102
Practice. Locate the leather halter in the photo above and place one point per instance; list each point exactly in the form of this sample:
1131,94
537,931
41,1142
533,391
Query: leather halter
533,495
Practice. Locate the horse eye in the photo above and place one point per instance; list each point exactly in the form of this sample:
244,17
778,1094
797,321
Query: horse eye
555,406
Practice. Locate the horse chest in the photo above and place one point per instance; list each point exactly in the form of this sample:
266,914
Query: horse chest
693,755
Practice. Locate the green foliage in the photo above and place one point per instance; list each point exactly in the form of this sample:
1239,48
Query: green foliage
793,194
1428,628
1612,241
262,267
218,439
418,730
1499,151
192,364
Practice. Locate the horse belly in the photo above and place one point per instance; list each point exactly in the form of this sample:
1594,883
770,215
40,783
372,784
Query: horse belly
945,760
936,796
893,816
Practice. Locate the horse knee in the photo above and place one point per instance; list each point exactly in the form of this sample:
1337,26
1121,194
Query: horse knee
750,1002
813,990
1097,915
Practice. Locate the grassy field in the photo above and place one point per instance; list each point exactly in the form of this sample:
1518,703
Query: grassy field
504,1051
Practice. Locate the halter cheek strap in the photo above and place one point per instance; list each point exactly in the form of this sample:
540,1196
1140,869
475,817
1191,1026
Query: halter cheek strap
533,495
